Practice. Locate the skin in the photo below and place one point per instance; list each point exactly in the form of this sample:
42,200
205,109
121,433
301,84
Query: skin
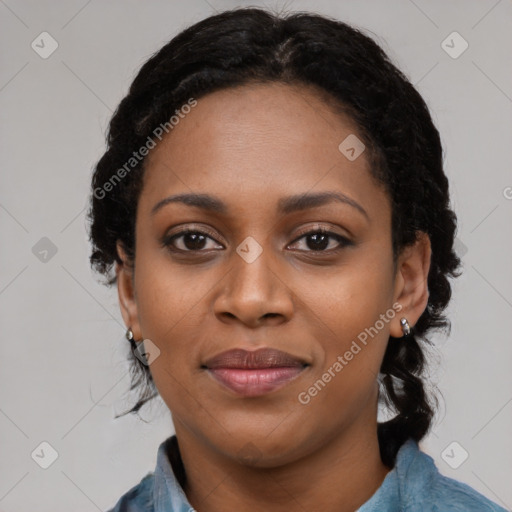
250,147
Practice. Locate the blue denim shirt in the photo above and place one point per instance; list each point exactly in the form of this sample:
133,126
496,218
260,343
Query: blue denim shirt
413,485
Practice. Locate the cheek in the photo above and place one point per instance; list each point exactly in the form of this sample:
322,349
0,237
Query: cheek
352,312
167,310
168,295
172,313
353,296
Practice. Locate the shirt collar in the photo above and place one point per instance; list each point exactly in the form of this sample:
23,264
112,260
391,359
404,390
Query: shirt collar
412,471
168,495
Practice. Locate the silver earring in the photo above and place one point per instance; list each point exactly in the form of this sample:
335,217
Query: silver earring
129,335
406,328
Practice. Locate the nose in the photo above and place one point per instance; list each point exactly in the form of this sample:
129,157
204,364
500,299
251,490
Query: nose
254,294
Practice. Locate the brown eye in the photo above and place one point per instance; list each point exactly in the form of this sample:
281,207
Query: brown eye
319,240
188,240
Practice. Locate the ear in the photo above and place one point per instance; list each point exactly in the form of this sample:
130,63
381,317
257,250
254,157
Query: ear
126,293
411,282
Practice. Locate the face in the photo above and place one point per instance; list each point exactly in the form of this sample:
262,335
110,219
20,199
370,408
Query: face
251,269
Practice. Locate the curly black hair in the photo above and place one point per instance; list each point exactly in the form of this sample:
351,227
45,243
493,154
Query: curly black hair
353,75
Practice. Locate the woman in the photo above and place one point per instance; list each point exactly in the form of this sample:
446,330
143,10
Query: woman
273,204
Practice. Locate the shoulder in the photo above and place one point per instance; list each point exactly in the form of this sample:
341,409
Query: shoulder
139,498
424,488
452,495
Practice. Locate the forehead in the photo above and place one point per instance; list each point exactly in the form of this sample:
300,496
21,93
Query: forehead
258,140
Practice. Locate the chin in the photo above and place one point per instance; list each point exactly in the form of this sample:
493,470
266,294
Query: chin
259,450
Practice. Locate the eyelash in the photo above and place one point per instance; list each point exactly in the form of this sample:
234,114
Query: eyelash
344,242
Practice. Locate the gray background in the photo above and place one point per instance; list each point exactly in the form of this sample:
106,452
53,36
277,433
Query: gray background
67,374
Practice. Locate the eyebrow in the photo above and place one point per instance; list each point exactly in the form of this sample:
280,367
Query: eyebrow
285,206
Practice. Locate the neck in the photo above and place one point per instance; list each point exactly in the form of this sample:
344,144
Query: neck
339,476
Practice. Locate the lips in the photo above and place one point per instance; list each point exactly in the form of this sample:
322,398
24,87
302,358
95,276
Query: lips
254,373
255,359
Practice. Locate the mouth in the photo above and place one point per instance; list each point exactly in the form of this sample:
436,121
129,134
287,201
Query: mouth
254,373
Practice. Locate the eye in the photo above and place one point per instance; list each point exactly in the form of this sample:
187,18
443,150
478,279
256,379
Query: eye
190,241
318,240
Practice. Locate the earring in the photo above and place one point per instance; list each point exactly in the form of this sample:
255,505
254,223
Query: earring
406,328
129,335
